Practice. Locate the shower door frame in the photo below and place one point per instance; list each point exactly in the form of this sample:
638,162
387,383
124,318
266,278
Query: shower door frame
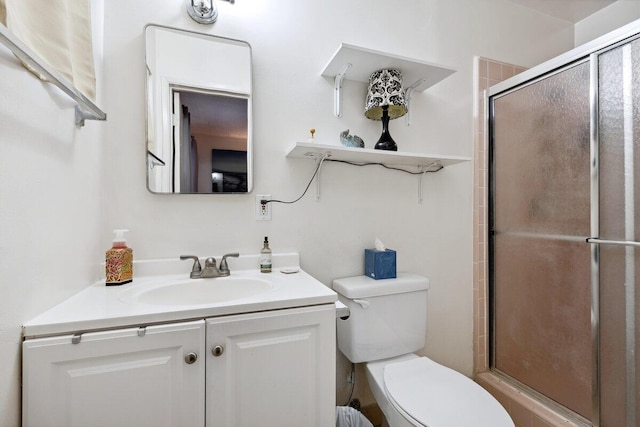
589,52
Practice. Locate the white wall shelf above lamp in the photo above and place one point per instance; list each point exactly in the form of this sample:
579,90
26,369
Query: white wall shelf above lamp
420,162
357,63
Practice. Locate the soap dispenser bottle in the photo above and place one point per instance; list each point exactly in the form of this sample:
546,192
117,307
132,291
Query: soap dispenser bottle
265,257
119,261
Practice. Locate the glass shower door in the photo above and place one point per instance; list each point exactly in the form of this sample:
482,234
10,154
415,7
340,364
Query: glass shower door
618,228
539,220
564,234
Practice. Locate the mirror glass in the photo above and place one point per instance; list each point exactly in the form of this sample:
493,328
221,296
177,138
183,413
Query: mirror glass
199,138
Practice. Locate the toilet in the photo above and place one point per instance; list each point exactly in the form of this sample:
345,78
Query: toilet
386,324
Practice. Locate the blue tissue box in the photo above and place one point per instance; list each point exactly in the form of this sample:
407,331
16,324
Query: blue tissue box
380,264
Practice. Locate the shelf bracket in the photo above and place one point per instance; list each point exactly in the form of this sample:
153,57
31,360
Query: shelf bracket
319,162
408,93
425,170
337,90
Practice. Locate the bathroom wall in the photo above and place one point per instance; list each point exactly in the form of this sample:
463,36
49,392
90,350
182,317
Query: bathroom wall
605,20
292,41
487,73
51,207
63,189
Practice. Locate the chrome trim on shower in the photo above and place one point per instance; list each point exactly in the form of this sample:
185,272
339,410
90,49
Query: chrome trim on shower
595,231
595,240
629,233
529,81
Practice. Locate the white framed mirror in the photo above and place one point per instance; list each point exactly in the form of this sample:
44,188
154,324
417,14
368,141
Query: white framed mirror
199,124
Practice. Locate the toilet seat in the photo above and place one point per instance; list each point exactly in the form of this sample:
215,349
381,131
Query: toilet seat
431,395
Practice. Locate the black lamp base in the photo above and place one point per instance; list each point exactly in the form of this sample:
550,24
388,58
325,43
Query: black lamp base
386,145
386,142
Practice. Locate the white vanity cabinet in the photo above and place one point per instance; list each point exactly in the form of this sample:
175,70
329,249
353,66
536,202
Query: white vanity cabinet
272,368
125,377
215,352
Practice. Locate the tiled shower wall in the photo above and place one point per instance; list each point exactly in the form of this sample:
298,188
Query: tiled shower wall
523,408
486,74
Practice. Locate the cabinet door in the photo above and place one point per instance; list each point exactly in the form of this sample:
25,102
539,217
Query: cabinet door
276,369
127,377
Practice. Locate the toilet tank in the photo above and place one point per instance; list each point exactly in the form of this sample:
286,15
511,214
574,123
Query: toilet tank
387,317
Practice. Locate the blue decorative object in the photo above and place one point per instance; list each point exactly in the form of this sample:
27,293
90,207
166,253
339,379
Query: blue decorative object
351,140
380,264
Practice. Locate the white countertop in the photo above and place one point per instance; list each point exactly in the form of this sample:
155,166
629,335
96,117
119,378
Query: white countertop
103,307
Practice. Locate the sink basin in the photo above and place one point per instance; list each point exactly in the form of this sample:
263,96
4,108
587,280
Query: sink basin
197,291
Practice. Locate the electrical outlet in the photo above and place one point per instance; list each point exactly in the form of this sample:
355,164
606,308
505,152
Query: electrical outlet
263,210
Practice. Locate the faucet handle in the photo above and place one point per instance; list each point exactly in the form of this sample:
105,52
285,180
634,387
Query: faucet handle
223,264
196,270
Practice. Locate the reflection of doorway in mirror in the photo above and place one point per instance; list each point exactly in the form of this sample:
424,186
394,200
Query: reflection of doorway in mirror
210,122
184,165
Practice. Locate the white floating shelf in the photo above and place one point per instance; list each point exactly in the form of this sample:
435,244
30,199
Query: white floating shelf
357,63
423,163
311,150
365,61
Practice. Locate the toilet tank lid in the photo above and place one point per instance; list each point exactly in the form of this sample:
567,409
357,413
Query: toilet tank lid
364,286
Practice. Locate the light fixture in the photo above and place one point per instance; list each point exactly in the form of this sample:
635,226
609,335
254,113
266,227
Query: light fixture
385,101
202,11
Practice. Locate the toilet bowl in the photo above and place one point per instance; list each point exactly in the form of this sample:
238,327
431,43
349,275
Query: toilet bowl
386,324
416,391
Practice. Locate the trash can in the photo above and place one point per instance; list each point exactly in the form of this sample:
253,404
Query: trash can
347,416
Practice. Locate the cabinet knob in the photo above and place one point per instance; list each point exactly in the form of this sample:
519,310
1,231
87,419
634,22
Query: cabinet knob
217,350
190,358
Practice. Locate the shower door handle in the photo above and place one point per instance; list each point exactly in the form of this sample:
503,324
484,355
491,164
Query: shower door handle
595,240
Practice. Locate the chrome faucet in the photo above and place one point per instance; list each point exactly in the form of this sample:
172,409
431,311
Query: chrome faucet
210,268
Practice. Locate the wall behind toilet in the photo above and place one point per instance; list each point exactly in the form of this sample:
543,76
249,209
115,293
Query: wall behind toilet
63,189
292,41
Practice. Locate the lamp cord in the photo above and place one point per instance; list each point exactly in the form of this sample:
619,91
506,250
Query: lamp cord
315,173
353,384
440,167
264,202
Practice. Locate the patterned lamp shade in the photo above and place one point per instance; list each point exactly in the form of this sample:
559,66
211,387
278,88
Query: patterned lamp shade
385,89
